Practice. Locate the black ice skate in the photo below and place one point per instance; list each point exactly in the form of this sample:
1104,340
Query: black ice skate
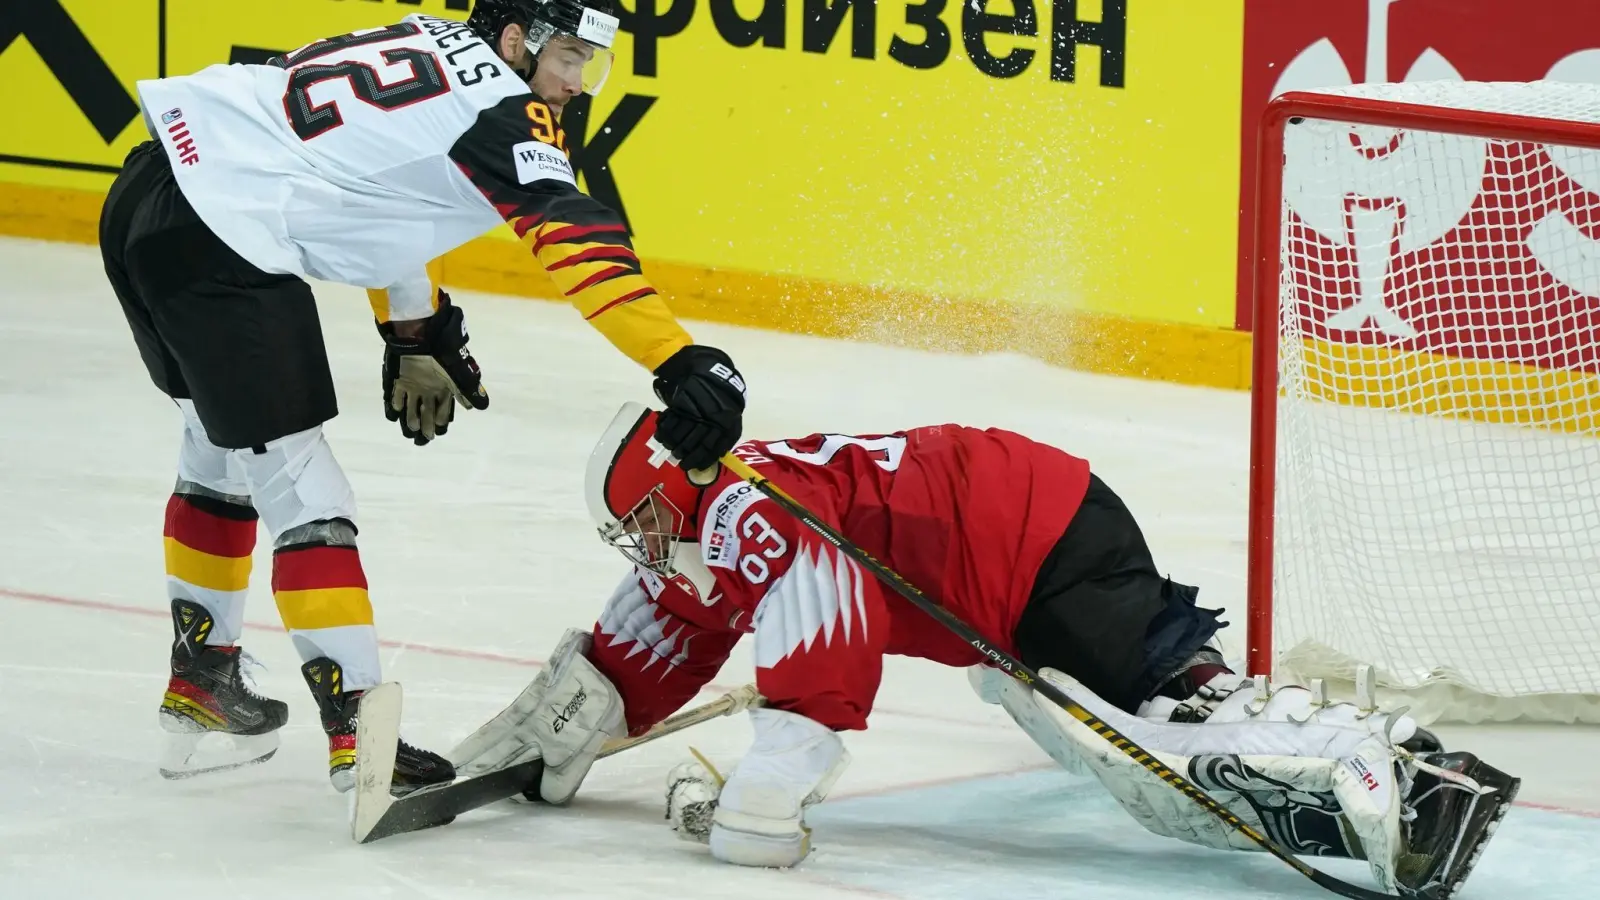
413,768
214,719
1452,825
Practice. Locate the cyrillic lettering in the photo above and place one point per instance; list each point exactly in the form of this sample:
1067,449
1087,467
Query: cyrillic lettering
935,46
822,19
766,27
1110,34
976,22
647,27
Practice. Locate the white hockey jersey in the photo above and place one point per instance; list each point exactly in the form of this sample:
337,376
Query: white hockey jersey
363,157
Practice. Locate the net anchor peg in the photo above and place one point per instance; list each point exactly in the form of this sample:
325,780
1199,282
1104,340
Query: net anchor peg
1366,692
1263,696
1319,700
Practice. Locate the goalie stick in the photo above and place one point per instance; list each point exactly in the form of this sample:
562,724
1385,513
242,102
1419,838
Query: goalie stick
1017,670
377,814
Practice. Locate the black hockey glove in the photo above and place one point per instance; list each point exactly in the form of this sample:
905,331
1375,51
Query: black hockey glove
424,376
704,395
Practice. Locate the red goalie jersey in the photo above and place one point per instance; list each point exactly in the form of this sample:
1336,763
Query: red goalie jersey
967,515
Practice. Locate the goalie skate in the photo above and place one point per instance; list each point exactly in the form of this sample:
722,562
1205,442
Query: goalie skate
1458,806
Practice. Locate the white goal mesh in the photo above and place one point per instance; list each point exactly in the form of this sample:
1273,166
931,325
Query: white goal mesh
1437,486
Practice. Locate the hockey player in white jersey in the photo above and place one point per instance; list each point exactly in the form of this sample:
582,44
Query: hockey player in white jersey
356,159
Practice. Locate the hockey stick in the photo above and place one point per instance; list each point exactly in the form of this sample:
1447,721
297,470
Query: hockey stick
377,814
1014,667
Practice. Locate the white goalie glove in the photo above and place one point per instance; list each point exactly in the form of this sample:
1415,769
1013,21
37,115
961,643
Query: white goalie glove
565,715
756,815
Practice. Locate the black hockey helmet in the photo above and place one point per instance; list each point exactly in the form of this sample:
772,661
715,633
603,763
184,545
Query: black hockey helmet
590,21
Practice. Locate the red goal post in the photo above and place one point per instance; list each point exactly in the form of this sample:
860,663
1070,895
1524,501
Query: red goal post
1427,347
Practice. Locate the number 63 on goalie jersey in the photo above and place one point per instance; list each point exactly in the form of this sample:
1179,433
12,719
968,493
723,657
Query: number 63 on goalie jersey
967,514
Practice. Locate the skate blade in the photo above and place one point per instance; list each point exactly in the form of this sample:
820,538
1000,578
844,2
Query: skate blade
202,753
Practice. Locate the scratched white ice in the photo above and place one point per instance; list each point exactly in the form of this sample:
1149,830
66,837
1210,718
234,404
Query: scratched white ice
479,556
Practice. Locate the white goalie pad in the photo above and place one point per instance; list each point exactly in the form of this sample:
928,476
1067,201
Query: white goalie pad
996,687
564,716
1325,789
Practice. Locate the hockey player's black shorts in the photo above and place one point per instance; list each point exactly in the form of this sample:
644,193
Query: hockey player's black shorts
1100,612
244,345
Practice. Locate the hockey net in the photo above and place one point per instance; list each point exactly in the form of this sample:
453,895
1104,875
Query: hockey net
1426,426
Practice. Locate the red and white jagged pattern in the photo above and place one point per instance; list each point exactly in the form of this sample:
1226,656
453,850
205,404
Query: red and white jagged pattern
635,625
822,594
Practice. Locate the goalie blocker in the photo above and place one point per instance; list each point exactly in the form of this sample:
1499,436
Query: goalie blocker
1040,557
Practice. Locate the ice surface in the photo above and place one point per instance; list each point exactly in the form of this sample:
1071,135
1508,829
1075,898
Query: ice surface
479,555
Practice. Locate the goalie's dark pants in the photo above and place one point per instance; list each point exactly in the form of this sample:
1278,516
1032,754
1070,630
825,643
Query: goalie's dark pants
244,345
1100,612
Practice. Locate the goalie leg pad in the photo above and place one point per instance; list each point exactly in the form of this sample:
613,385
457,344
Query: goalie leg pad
1313,789
565,715
995,686
760,815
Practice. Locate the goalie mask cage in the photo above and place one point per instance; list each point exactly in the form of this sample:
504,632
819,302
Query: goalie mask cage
1425,414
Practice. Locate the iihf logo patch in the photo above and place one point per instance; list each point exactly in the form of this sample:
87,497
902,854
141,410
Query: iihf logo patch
171,115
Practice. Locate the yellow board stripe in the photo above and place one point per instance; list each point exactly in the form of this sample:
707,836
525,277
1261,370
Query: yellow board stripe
206,570
1108,343
1433,384
324,608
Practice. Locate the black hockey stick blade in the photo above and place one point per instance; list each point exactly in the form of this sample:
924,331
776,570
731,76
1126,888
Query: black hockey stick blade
379,815
437,804
1015,668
